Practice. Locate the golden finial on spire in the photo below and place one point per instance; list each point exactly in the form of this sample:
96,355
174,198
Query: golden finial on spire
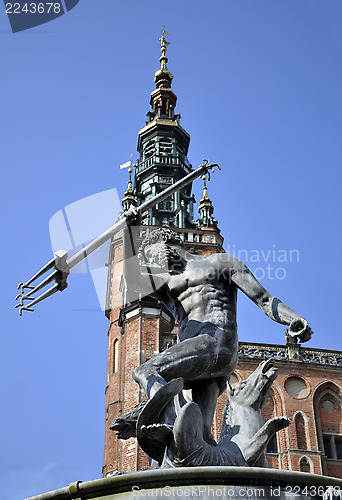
129,189
129,195
205,192
163,77
163,48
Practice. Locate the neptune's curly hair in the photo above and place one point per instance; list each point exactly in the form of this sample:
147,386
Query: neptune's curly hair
162,236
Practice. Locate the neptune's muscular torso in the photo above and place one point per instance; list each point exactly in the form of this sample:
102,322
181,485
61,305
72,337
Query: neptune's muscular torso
202,299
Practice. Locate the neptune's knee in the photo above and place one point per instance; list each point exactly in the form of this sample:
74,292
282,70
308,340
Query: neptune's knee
136,374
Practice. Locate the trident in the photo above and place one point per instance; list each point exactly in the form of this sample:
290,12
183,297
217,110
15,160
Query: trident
61,265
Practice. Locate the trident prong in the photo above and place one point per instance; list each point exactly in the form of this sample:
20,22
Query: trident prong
21,287
24,308
209,167
22,297
43,296
21,304
42,271
59,275
41,285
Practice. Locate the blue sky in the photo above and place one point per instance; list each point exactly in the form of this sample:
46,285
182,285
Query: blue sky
259,90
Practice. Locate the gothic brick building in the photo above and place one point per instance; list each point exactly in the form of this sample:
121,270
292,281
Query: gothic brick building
308,388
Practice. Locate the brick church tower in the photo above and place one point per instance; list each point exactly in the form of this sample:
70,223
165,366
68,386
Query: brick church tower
308,388
140,327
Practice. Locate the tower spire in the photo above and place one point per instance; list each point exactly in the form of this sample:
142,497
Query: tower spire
163,77
129,198
206,208
163,100
163,146
163,48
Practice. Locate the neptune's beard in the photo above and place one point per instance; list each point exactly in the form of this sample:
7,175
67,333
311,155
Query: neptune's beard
166,257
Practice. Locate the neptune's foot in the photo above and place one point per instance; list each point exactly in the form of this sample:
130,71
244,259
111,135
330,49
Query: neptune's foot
160,432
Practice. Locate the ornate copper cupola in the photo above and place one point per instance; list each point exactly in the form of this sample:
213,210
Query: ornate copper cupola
163,146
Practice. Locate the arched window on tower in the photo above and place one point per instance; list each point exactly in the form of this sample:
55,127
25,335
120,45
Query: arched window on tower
328,411
123,290
272,446
268,412
304,464
115,356
300,432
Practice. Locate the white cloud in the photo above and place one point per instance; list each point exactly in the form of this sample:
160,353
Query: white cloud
19,484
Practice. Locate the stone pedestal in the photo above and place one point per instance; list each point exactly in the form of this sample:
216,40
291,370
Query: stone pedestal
204,483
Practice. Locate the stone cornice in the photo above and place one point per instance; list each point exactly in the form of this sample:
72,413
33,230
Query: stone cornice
293,353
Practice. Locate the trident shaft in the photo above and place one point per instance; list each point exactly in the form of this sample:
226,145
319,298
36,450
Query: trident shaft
61,265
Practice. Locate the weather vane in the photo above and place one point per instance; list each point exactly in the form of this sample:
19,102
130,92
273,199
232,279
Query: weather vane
163,42
164,31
